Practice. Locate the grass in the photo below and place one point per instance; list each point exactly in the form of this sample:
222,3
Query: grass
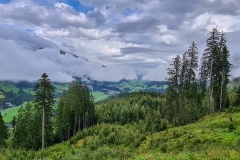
2,96
8,87
9,113
134,85
29,91
99,96
210,138
60,88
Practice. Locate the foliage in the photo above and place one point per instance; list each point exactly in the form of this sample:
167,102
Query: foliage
44,101
75,111
3,132
209,138
140,107
183,96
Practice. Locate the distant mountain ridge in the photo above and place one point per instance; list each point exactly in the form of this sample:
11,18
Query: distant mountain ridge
17,93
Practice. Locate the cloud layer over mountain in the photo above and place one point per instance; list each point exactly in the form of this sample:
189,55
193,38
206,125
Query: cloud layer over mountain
117,37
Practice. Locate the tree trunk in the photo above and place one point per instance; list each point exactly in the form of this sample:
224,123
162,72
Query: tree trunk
68,132
43,127
79,123
75,124
210,91
221,94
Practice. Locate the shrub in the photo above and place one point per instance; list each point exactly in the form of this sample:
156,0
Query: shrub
231,127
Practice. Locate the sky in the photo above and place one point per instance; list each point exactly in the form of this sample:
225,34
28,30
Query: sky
114,39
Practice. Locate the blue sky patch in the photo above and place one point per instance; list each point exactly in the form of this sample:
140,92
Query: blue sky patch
29,30
5,1
78,6
129,11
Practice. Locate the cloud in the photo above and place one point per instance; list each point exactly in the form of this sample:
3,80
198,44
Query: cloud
31,41
21,63
28,14
131,35
157,74
97,17
143,25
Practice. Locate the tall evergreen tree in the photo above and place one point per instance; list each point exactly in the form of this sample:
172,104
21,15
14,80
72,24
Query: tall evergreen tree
192,63
173,81
44,101
207,65
225,70
75,111
3,132
188,82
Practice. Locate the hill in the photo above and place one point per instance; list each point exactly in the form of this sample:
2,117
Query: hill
132,126
16,93
212,137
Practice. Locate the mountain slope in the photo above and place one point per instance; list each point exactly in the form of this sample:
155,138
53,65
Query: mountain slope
213,137
17,93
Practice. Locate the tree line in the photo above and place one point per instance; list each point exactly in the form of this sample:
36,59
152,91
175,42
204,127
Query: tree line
46,121
194,89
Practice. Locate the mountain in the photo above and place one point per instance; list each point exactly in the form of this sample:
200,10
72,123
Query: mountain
18,92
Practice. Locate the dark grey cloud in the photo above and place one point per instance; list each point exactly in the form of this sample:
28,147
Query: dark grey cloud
97,16
144,25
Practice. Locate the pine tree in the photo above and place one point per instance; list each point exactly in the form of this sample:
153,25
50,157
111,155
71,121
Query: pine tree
207,65
173,81
44,101
3,132
188,82
75,111
192,63
225,69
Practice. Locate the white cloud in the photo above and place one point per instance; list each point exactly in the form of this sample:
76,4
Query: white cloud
226,23
22,64
158,74
137,34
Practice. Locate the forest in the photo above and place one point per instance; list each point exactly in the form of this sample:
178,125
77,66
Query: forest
136,125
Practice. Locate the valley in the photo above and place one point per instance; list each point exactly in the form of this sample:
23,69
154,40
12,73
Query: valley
14,94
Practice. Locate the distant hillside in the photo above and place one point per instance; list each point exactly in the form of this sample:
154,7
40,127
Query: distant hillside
16,93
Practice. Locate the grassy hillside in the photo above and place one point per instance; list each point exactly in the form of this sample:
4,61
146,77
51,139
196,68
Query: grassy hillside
7,87
99,96
9,113
212,137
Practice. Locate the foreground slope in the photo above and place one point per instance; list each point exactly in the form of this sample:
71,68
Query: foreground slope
212,137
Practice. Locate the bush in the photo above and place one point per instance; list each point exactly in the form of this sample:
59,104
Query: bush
231,127
164,148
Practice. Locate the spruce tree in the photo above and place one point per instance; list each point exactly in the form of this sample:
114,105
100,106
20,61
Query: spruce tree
188,83
225,70
173,81
75,111
207,70
3,132
44,101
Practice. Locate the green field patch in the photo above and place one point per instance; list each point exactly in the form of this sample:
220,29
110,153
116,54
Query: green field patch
99,96
6,87
60,88
9,113
29,91
2,96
